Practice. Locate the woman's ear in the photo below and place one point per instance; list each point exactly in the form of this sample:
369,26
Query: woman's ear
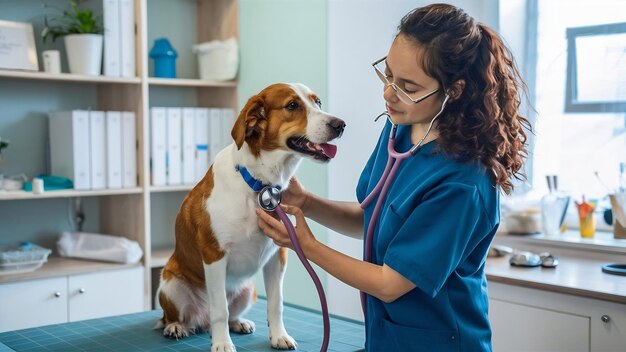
456,90
250,121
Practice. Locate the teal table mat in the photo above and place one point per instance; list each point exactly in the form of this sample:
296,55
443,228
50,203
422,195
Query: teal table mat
134,332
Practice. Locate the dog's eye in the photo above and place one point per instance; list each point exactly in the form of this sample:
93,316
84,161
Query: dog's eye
318,102
292,106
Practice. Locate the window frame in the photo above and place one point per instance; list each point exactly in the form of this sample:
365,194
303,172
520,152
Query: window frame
572,104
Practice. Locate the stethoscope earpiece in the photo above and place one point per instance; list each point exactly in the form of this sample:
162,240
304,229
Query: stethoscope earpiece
269,198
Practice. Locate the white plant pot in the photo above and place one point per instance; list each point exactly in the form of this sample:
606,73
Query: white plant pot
84,53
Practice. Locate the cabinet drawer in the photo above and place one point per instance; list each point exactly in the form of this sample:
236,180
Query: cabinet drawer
33,303
517,327
104,294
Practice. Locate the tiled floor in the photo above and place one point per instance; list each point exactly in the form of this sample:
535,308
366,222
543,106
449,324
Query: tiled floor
134,333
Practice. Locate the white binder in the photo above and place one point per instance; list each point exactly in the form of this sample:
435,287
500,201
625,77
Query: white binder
174,153
215,117
69,146
127,37
114,149
129,150
228,120
188,146
202,142
158,146
97,136
111,22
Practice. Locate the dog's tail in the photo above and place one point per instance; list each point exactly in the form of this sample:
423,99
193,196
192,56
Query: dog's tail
160,324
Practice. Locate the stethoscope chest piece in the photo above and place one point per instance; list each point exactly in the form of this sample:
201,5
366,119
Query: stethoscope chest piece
269,198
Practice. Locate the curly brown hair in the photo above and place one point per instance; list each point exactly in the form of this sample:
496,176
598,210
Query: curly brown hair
478,72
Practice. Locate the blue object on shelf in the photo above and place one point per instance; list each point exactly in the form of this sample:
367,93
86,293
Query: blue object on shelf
164,57
51,183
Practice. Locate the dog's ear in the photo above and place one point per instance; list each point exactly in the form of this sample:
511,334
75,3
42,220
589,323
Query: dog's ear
250,123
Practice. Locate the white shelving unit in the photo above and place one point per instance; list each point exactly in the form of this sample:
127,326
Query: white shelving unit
145,213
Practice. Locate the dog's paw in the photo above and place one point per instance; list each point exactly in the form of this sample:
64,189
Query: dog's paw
176,331
283,342
242,326
223,347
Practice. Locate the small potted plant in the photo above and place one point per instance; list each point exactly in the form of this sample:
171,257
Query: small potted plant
82,31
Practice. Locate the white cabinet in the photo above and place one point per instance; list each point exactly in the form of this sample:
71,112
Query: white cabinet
524,319
518,327
31,303
105,294
70,298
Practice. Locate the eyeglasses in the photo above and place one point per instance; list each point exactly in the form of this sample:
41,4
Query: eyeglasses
379,67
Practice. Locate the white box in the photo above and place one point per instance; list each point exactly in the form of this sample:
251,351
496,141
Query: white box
218,60
174,153
127,38
69,146
158,146
129,150
112,40
97,136
202,142
215,132
188,145
114,149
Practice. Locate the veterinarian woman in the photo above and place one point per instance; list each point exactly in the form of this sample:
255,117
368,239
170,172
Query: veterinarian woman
424,282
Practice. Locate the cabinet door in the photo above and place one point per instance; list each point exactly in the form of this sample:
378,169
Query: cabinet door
518,327
33,303
104,294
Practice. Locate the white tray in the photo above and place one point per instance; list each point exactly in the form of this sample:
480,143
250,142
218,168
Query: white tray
20,267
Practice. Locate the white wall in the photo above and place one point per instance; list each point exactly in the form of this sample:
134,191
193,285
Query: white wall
360,32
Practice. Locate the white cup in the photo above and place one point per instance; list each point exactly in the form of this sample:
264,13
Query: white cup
38,185
51,61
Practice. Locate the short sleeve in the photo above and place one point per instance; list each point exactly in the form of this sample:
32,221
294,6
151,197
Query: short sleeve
364,179
366,174
438,235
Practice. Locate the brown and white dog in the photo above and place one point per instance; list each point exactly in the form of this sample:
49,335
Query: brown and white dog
206,283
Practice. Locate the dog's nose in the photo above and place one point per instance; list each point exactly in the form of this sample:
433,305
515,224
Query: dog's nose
337,125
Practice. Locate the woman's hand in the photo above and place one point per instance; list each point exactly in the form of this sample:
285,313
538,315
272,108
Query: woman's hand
275,229
295,195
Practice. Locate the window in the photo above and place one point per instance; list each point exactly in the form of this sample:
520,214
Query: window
596,68
575,145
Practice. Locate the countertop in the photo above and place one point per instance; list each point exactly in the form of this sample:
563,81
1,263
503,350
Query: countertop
574,275
59,266
134,332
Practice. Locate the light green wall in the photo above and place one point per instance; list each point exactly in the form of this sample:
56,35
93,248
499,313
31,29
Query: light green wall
286,41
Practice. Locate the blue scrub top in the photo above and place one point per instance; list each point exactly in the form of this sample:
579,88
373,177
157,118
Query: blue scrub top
435,227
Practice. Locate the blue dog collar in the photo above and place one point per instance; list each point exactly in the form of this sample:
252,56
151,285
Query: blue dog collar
255,184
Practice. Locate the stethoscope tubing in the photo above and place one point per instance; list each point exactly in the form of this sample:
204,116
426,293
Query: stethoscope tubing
318,285
393,164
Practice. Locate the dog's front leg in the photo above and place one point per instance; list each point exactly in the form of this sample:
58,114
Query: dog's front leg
273,273
215,278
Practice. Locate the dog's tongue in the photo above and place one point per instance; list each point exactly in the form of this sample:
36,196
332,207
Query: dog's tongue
329,149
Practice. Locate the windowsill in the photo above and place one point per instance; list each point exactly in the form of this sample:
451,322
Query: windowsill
603,241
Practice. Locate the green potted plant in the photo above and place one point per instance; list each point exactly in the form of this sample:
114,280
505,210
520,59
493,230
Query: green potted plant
82,31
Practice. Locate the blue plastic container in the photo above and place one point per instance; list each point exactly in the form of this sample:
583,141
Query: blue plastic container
164,57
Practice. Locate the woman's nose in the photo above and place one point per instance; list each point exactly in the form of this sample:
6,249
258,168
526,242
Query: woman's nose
390,94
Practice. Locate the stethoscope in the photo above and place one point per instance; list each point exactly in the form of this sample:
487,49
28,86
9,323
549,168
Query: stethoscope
269,199
393,164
